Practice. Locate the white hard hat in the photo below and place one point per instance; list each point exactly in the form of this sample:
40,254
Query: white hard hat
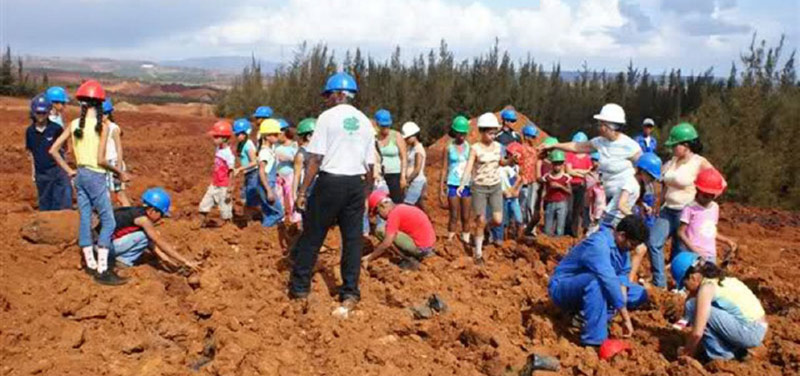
649,121
410,129
611,113
488,120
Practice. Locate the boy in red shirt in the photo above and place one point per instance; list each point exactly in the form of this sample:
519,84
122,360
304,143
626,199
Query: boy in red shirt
224,162
557,191
407,228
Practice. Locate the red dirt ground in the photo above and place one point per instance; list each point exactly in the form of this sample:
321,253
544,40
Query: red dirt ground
55,321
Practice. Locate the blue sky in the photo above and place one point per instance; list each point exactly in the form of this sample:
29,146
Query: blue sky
658,34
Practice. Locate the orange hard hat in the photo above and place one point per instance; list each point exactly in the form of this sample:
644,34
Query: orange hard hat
375,199
91,89
710,181
514,148
221,129
611,347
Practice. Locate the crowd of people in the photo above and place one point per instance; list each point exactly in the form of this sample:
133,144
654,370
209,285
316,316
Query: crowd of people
347,170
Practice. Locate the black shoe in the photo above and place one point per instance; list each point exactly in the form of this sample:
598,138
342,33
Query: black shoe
479,261
91,272
109,278
408,263
297,295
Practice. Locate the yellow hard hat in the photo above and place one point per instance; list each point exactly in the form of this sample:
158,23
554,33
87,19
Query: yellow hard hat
269,126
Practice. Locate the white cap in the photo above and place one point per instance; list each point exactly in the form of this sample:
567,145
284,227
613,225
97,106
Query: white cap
649,121
611,113
410,129
488,120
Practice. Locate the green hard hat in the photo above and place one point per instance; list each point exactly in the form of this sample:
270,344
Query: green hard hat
682,132
460,124
306,126
550,141
557,156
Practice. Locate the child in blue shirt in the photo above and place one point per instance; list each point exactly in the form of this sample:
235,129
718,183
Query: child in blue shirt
52,183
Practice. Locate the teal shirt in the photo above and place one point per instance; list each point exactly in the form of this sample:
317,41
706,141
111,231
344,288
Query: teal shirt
244,155
390,155
456,162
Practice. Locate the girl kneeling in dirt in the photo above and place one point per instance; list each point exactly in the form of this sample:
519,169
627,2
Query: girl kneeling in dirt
406,227
136,232
487,192
89,139
593,276
725,317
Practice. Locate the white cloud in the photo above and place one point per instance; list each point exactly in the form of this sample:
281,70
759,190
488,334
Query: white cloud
605,33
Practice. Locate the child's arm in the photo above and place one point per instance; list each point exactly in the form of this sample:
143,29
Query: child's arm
684,237
298,172
732,245
162,244
55,152
265,182
468,170
622,204
118,144
101,156
442,191
636,261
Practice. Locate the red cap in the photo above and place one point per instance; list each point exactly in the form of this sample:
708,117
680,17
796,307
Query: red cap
710,181
514,148
611,347
91,89
221,129
375,199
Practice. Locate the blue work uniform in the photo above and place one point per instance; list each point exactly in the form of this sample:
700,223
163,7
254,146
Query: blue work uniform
589,280
648,146
52,183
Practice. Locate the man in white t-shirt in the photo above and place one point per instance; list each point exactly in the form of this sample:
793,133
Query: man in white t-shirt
341,152
618,156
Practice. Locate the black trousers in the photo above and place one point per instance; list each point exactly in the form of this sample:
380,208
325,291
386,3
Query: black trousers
335,199
395,192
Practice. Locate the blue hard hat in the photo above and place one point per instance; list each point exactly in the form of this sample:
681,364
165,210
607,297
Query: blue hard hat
57,94
681,264
158,199
283,123
108,106
40,104
341,82
383,118
650,163
530,130
595,156
509,115
580,137
263,112
242,125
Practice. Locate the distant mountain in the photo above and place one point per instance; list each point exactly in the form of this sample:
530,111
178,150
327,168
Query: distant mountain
226,64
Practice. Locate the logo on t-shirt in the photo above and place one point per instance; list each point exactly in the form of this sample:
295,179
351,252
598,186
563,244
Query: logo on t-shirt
351,124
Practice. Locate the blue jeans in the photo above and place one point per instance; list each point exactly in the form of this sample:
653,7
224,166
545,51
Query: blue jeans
93,196
511,210
54,189
250,188
129,248
581,293
726,336
666,225
414,191
555,217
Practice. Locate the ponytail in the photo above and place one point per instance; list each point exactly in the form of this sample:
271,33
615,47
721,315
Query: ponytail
81,121
98,110
710,270
98,107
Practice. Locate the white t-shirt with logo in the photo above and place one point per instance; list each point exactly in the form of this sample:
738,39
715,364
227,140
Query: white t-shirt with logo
345,138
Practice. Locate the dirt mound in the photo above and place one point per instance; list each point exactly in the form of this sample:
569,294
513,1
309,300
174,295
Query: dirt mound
235,318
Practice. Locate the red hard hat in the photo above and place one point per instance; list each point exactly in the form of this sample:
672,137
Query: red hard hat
710,181
514,148
221,129
375,198
611,347
91,89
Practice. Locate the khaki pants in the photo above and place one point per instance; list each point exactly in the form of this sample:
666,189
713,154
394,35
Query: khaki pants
217,196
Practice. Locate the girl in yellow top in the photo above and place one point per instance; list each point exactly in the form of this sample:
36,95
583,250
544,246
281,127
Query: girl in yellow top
89,138
725,317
